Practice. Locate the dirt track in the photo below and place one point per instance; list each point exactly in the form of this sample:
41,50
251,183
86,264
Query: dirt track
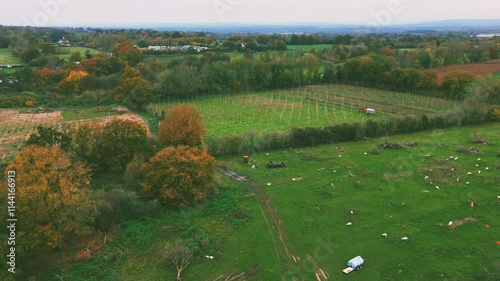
270,215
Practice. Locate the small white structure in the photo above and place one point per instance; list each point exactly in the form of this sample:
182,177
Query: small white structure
370,111
355,263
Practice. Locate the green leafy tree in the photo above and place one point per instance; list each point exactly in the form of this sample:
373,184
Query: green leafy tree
457,83
75,56
110,146
49,136
179,176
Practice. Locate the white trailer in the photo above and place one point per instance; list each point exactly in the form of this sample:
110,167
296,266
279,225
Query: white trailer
370,111
355,263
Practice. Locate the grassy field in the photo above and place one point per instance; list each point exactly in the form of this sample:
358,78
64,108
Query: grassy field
312,106
309,203
6,57
66,52
318,188
307,48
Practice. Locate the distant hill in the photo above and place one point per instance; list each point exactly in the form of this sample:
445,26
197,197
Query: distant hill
473,25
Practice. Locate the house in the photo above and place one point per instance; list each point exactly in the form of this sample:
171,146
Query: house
64,42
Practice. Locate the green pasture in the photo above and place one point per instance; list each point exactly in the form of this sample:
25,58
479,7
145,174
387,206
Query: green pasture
66,52
6,57
388,193
307,48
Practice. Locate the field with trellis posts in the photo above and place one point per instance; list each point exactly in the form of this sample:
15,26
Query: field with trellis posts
312,106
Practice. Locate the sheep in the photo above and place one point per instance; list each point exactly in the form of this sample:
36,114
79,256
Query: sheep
209,257
384,235
404,238
437,187
458,179
268,183
467,183
253,167
340,156
478,159
351,212
469,173
487,168
478,172
450,223
349,224
477,165
456,158
498,197
426,177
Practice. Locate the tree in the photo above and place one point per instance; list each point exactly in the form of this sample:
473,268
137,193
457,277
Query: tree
179,255
30,54
53,199
182,126
133,89
47,48
457,83
179,176
75,56
49,136
70,83
110,145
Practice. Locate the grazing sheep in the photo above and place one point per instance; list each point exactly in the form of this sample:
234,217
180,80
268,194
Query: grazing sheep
426,177
349,224
456,158
498,197
487,168
253,167
404,238
469,173
340,156
209,257
477,165
437,187
478,159
384,235
450,223
351,212
458,179
467,183
478,172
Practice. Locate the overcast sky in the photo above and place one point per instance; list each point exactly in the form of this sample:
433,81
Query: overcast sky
383,12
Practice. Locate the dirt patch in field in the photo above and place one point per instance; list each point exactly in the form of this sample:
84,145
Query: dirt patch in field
476,69
457,223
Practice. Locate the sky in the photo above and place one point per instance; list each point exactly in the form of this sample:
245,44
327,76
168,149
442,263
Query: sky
364,12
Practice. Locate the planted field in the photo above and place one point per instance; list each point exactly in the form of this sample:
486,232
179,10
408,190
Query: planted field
6,57
312,106
446,207
476,69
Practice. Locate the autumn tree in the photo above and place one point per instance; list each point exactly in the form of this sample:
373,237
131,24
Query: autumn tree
182,126
53,198
457,83
111,145
70,83
179,176
128,53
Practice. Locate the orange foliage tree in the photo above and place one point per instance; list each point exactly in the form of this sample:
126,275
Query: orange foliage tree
53,198
182,126
70,83
179,176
